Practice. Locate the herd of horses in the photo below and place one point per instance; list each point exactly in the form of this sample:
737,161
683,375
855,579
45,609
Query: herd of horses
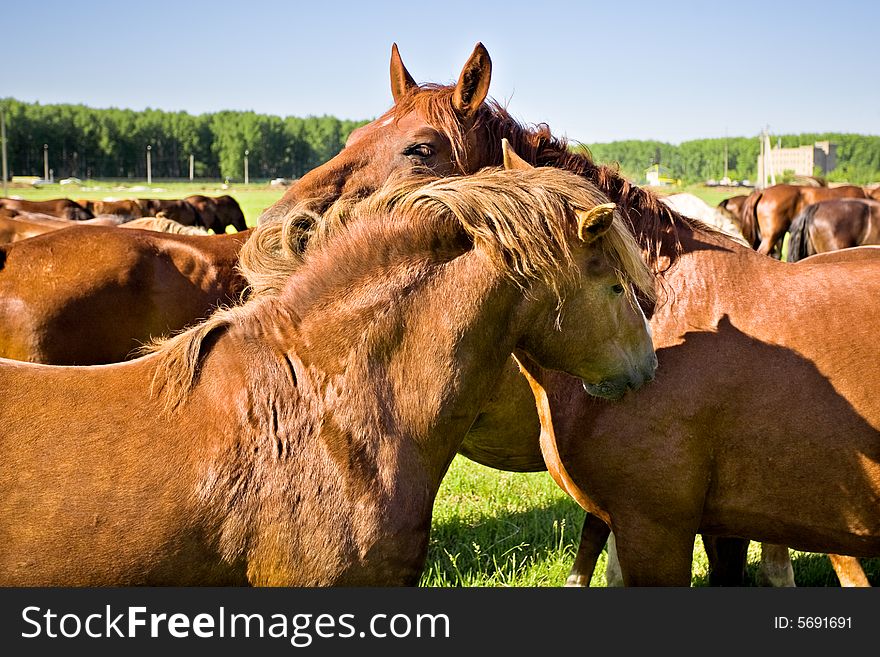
279,405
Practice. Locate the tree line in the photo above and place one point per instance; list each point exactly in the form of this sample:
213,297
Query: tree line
112,143
858,156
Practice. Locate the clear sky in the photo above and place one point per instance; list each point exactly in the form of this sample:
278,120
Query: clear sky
595,71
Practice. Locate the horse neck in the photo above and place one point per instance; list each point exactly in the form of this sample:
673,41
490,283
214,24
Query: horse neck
411,356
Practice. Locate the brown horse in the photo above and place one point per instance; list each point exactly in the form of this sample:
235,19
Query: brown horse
162,224
300,440
732,208
872,192
218,212
128,209
16,226
177,210
450,130
138,285
834,225
59,207
768,213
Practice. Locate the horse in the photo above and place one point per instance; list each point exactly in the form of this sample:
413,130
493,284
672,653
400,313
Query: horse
59,207
128,209
218,212
138,284
455,129
696,208
16,226
872,192
163,224
300,439
178,210
833,225
732,208
768,213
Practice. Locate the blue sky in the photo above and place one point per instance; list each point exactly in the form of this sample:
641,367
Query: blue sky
594,71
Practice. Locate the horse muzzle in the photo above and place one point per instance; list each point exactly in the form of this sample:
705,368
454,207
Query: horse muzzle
616,388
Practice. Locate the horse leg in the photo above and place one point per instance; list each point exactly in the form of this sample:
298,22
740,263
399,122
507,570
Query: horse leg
849,570
593,536
776,567
727,556
654,554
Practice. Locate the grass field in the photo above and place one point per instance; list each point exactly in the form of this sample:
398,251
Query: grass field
490,528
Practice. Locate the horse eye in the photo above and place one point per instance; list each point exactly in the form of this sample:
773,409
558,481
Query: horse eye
420,150
617,288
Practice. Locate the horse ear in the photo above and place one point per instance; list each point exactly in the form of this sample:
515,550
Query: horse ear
473,83
595,222
401,80
511,159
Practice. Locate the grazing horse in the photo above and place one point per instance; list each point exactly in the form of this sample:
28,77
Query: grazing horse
178,210
732,208
59,207
768,213
833,225
218,212
137,285
127,209
16,226
451,129
300,439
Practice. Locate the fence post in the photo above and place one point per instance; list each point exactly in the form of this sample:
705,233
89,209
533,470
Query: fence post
191,167
3,143
45,161
149,166
246,167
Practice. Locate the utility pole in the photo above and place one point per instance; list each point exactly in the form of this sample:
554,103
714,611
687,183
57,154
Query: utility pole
3,144
45,161
246,167
191,167
725,156
149,166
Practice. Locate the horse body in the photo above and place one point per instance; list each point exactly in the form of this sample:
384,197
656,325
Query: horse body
300,439
834,225
141,285
175,209
218,212
767,214
693,206
61,207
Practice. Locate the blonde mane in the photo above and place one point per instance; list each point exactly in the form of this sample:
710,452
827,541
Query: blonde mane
523,221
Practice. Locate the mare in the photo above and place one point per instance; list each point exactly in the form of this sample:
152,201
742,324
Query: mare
833,225
768,213
178,210
218,212
300,439
163,224
138,285
706,279
59,207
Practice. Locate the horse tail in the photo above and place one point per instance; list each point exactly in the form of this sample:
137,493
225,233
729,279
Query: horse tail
2,257
798,242
749,218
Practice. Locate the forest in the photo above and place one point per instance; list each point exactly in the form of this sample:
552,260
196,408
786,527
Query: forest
111,143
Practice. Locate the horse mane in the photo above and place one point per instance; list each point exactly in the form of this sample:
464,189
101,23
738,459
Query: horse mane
522,221
649,219
799,243
163,224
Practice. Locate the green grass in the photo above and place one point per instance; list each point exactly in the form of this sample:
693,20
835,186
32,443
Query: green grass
253,198
490,528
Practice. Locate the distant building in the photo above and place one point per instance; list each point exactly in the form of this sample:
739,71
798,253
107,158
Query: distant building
658,176
801,160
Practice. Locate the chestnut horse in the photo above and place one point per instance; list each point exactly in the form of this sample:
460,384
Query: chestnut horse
16,226
183,212
300,439
834,225
137,285
128,209
452,130
767,214
218,212
59,207
162,224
